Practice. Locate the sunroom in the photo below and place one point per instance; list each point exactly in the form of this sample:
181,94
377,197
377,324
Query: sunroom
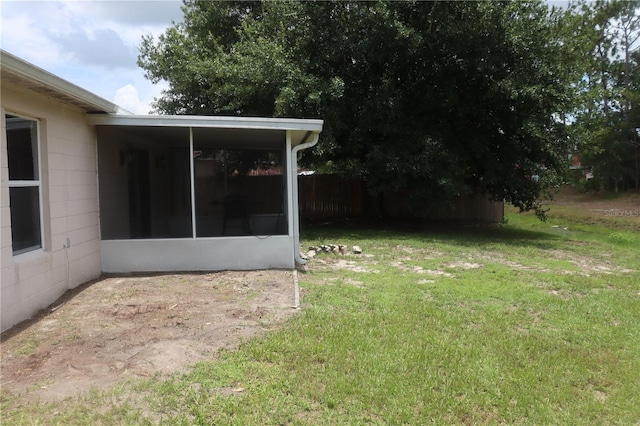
185,193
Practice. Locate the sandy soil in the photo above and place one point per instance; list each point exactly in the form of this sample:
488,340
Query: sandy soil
126,327
625,206
129,327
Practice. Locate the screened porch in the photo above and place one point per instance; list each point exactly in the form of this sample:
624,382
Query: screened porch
178,193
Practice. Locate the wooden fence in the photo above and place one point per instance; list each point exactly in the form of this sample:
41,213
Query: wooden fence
328,197
325,197
467,208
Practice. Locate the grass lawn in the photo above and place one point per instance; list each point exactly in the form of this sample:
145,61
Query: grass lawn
521,323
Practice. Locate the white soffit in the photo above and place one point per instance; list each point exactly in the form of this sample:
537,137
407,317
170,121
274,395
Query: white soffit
299,127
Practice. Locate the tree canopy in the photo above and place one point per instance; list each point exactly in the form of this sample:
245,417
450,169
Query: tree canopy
444,98
606,34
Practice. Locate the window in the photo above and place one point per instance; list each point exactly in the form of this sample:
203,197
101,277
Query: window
24,183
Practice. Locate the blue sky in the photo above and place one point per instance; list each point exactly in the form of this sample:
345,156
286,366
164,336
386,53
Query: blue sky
93,44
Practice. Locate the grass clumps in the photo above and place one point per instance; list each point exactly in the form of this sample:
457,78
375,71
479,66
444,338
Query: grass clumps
524,323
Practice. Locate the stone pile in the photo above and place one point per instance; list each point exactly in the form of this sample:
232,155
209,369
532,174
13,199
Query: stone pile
340,249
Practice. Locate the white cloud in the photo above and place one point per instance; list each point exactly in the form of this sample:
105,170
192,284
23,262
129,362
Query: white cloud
93,44
154,92
128,98
22,35
131,12
102,48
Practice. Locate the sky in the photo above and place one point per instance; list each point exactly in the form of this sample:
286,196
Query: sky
92,44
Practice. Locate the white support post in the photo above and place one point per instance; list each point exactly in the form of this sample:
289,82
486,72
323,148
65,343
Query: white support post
289,176
192,173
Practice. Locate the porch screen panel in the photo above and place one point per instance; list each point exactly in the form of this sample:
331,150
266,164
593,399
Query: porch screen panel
144,182
240,187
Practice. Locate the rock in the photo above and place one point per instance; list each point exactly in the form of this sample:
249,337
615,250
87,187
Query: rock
330,248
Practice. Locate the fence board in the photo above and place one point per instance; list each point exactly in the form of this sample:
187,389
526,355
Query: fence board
327,197
330,197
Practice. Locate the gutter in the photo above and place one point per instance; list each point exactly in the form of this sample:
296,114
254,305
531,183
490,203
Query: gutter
209,121
296,154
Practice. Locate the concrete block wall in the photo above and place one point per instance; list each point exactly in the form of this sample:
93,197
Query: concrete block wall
33,280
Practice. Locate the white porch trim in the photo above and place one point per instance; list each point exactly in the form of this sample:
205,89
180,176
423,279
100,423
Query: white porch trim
298,127
201,254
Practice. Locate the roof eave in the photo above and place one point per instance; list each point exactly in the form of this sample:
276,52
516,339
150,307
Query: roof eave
259,123
24,70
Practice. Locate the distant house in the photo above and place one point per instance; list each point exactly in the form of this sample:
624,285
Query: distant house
582,172
87,188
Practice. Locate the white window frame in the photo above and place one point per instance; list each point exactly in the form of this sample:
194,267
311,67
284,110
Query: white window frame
37,183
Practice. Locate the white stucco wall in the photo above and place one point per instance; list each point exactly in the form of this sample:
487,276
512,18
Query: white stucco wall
33,280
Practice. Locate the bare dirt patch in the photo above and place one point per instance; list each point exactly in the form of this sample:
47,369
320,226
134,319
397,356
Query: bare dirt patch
420,270
128,327
349,265
621,209
463,265
596,202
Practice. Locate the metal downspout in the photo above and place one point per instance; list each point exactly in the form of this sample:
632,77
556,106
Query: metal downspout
296,153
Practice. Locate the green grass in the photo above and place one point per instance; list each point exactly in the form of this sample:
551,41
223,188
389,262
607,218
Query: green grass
524,323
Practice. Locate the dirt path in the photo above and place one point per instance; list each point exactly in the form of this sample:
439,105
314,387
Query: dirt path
128,327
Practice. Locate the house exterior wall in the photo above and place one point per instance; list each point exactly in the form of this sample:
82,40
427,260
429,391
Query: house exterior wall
33,280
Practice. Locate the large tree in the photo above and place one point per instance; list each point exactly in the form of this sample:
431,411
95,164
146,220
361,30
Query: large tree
441,97
607,34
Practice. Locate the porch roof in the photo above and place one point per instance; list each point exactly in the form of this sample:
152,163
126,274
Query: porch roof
299,128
